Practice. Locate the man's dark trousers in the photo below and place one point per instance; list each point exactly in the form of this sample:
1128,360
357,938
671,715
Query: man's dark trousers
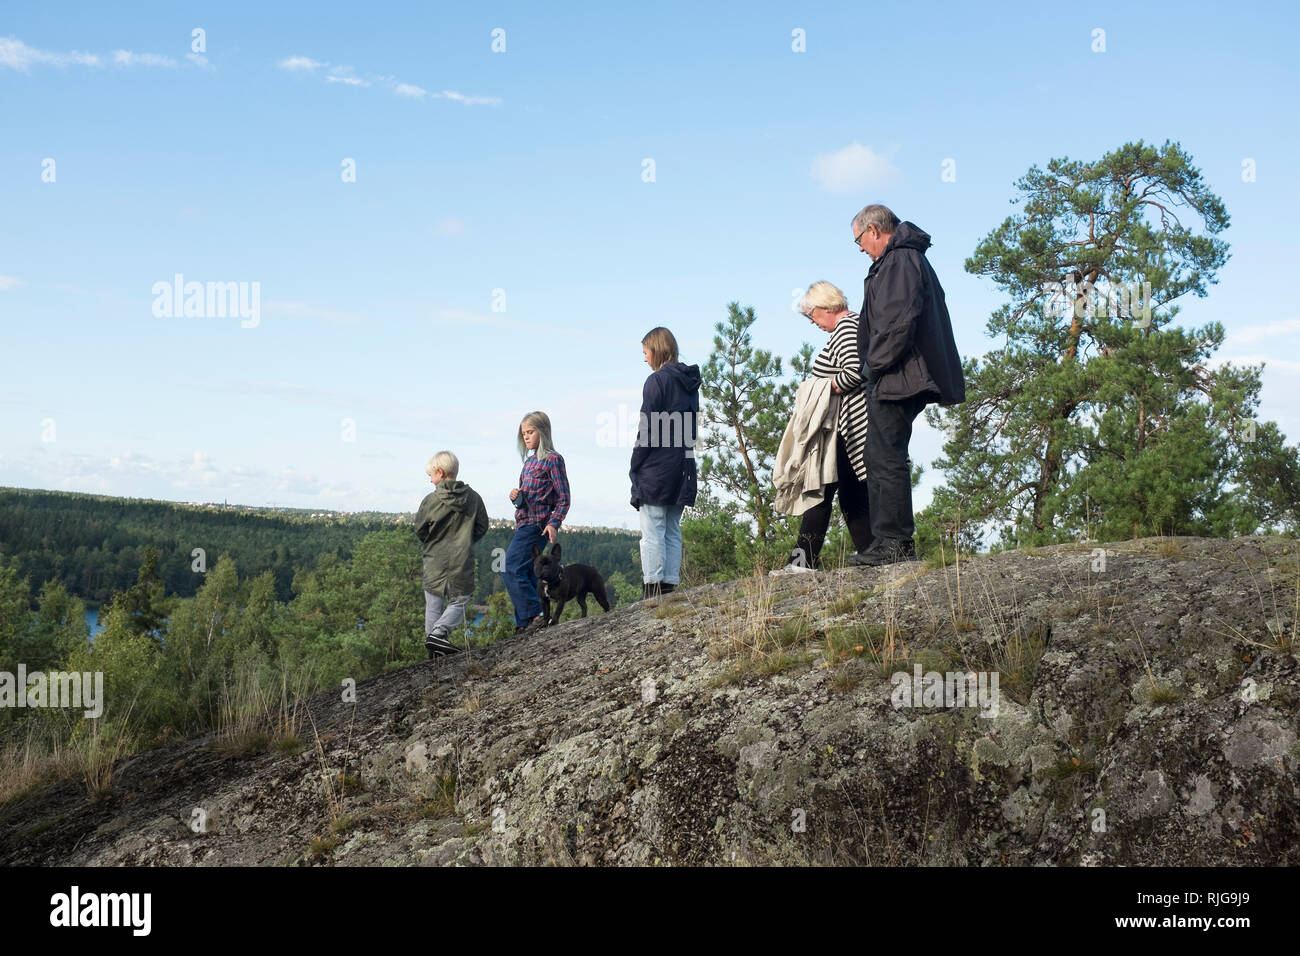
889,476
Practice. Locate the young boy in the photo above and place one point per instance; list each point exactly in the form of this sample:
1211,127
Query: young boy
450,520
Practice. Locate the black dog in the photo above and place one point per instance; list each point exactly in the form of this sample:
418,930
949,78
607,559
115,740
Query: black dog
564,583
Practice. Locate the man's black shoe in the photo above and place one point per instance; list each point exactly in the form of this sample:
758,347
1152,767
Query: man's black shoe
873,557
538,622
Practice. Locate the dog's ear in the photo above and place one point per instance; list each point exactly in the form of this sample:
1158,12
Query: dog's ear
536,552
555,551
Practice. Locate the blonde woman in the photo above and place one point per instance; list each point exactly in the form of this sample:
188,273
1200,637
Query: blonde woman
541,503
826,307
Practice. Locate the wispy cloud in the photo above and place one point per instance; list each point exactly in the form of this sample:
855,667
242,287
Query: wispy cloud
350,77
1252,334
449,226
300,64
9,282
1269,362
471,100
127,58
294,309
852,168
17,55
345,74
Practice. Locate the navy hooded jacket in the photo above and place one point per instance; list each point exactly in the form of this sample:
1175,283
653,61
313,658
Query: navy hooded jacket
663,461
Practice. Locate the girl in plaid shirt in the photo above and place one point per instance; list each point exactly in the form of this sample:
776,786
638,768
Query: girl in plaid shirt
541,502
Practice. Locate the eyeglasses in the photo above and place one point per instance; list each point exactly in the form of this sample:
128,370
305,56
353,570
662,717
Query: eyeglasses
857,240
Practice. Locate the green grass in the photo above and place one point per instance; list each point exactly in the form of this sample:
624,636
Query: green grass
323,845
848,602
442,802
1164,694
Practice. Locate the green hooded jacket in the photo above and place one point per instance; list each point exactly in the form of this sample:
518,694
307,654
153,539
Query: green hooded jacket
450,520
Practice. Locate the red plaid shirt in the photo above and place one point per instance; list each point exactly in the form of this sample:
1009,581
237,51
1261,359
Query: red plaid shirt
546,488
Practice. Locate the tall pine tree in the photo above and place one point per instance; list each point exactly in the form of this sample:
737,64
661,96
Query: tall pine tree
1097,415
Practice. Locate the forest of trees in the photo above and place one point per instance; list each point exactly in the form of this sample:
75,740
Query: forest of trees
184,651
95,545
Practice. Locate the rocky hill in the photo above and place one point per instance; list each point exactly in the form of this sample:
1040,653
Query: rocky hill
1146,713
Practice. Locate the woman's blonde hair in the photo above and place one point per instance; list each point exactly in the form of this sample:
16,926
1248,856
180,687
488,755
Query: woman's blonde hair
823,295
662,346
445,462
542,422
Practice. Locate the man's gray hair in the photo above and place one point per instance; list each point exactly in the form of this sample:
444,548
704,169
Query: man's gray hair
875,215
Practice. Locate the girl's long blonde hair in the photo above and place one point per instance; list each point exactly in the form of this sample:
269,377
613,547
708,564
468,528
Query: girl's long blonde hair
542,422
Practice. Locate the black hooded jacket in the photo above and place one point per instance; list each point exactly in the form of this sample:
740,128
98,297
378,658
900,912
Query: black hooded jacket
904,334
663,461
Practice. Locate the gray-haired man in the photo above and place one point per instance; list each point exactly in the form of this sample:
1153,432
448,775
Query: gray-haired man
909,360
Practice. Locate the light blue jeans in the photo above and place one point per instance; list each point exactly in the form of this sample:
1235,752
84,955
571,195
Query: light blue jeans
441,618
661,544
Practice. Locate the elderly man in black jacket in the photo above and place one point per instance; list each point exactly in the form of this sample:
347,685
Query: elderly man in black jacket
910,359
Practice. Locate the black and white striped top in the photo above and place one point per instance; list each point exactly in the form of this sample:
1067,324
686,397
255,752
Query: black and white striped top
838,360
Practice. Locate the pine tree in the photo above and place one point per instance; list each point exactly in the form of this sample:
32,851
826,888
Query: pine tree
1097,415
746,404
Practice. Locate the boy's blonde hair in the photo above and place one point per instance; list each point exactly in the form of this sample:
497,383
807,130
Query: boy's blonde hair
445,462
542,422
662,346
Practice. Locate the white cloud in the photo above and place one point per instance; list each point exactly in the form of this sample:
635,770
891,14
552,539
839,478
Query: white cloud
854,167
1251,334
348,76
1269,362
199,60
471,100
293,309
345,74
449,226
17,55
9,282
127,58
300,63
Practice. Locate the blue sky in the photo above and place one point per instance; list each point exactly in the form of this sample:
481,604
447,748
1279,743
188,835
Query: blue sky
522,171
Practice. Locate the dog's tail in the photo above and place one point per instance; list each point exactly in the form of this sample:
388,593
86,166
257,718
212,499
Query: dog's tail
601,593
